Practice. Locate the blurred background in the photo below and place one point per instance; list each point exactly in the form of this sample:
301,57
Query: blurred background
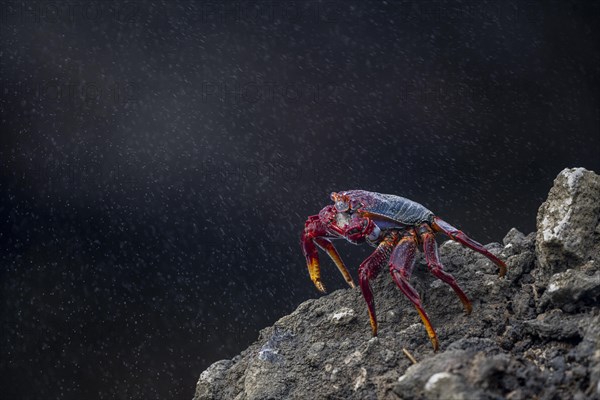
158,161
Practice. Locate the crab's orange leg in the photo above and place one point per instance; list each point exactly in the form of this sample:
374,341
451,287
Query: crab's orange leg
402,262
311,230
440,225
328,247
430,248
369,269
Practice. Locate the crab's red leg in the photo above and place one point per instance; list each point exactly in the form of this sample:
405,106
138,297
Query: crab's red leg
430,248
328,247
457,235
311,230
369,269
402,262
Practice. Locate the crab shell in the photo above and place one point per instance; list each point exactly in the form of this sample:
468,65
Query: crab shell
385,209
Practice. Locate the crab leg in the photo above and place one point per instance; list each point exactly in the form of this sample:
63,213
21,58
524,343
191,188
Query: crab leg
402,263
457,235
369,269
430,248
312,229
328,247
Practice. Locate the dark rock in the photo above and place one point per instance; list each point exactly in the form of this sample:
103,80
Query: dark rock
554,325
534,334
210,383
571,290
519,253
515,242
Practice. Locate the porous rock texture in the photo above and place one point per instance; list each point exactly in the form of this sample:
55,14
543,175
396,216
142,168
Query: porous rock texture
533,334
567,222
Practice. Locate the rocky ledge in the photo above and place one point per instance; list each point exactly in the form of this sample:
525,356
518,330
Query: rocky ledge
534,334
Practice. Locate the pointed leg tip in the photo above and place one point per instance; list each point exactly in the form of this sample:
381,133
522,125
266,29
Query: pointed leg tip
434,342
468,307
320,287
502,271
373,328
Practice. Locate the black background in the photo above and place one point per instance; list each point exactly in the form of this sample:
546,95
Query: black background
158,160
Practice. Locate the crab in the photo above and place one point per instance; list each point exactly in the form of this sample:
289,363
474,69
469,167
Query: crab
397,227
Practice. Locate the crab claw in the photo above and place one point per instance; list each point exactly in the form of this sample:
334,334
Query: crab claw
351,226
316,233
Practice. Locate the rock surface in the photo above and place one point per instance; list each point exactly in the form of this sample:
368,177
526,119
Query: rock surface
567,222
535,334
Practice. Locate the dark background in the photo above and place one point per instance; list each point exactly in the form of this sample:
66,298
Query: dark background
159,159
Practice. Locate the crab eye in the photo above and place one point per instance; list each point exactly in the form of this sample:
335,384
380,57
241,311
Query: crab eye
341,206
355,205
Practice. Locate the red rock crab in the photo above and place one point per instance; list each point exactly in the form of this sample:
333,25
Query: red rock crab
396,227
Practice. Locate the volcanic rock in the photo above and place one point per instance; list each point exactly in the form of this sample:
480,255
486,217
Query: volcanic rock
533,334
